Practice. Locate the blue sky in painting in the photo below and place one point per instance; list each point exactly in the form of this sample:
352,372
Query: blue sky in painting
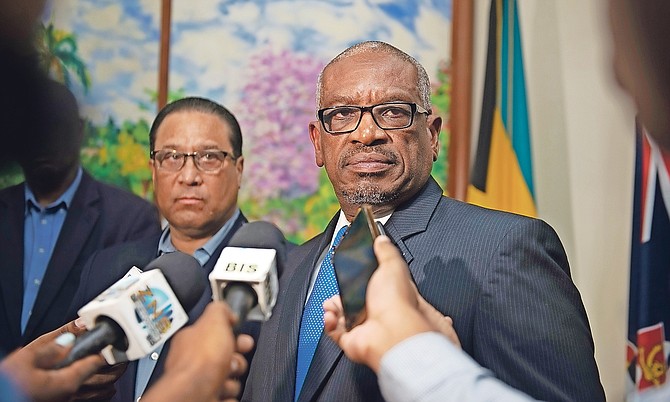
212,41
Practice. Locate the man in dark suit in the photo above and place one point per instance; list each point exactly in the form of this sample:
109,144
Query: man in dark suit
197,165
503,278
55,220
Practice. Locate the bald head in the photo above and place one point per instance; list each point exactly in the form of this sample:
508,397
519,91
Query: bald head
423,83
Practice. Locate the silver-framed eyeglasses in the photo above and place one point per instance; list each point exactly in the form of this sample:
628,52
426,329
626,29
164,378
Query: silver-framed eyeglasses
171,160
387,116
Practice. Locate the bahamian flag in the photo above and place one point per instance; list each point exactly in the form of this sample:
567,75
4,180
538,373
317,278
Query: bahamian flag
502,174
649,298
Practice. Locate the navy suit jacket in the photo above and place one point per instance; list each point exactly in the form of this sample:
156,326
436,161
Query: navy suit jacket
100,216
503,278
109,265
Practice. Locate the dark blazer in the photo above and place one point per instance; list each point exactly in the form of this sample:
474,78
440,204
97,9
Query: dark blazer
100,216
503,278
117,261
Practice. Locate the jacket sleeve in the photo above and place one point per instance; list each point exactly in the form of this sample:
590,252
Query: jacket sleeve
530,319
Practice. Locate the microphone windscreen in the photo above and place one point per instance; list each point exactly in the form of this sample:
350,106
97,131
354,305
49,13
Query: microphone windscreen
184,275
261,234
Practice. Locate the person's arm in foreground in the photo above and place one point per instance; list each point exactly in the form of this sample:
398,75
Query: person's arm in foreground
202,363
31,367
411,346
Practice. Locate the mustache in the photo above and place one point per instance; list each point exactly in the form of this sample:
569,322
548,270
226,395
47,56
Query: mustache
381,149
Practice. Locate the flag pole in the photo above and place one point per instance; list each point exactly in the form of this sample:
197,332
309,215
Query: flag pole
461,99
164,57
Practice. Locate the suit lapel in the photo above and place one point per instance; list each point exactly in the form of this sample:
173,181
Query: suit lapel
12,212
290,315
209,266
325,359
413,217
79,223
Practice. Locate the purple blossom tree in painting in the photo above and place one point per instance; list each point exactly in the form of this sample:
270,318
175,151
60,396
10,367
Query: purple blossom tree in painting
278,101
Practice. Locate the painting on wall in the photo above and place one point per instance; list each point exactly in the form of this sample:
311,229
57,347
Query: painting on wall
259,58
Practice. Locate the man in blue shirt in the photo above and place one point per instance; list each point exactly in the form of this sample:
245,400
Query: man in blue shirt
54,221
197,165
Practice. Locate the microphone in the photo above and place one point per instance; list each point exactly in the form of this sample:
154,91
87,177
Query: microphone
140,311
245,275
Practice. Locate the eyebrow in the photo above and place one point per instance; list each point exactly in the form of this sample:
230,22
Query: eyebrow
197,147
345,100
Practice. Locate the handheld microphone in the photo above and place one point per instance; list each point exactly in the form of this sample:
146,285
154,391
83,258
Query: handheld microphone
141,310
245,275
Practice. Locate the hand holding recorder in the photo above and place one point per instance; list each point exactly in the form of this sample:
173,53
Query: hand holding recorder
354,262
394,311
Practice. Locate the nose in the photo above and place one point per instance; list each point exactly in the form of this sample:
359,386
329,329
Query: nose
368,132
189,173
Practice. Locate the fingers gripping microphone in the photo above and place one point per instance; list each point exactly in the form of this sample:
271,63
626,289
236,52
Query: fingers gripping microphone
141,310
245,275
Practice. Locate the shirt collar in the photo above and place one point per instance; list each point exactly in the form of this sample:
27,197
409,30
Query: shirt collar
204,253
65,199
342,221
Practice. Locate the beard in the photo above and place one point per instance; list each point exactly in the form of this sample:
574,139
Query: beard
368,192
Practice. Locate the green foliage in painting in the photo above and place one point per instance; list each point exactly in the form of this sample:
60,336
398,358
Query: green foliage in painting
441,100
120,155
59,57
153,98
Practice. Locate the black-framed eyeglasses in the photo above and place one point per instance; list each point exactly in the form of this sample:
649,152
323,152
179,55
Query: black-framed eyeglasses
171,160
387,116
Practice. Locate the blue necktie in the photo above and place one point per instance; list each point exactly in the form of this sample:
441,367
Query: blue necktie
311,326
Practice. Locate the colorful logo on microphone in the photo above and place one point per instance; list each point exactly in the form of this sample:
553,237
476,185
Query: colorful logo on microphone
153,310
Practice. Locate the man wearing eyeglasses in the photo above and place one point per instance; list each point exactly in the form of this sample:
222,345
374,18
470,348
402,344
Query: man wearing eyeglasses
196,165
503,279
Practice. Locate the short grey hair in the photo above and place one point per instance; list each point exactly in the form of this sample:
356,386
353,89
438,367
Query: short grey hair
423,83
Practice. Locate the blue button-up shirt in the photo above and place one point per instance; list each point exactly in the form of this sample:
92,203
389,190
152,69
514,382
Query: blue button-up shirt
145,366
42,225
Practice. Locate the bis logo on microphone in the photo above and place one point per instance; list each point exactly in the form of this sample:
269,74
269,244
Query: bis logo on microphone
241,267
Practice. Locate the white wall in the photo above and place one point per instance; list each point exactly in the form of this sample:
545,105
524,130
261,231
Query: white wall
583,153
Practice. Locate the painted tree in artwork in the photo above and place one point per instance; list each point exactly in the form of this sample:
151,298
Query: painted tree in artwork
281,93
280,174
59,56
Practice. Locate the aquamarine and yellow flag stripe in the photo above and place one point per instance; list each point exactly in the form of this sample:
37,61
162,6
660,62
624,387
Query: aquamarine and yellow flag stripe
502,175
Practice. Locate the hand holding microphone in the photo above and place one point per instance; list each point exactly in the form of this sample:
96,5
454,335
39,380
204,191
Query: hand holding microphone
32,367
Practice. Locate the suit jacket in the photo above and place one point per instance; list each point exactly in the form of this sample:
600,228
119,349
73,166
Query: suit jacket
100,216
109,265
503,278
